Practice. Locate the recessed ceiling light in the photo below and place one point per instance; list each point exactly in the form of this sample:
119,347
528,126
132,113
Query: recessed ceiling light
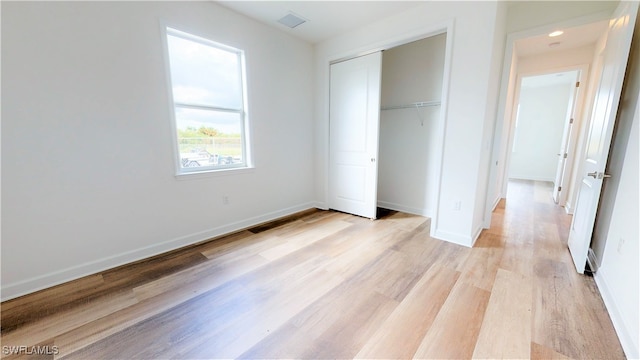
291,20
556,33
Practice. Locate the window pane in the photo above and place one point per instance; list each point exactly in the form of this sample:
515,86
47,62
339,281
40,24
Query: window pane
204,75
209,138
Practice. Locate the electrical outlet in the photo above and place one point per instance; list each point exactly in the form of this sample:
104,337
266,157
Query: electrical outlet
225,200
457,205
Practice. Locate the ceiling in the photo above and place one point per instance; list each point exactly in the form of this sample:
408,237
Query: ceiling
325,19
572,38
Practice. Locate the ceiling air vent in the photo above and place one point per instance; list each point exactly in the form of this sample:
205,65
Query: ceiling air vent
291,20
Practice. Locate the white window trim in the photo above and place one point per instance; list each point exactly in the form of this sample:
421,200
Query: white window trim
204,171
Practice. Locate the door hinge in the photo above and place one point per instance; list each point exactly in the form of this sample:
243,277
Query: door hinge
577,83
565,155
571,121
559,188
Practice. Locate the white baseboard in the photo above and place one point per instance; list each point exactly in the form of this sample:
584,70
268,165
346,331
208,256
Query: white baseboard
532,178
459,239
476,235
626,339
405,209
568,209
321,205
10,291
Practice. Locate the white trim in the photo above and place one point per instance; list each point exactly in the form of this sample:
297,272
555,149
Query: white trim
208,173
496,202
532,178
13,290
459,239
626,339
406,209
444,111
568,208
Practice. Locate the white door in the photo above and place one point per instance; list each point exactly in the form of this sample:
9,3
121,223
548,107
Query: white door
563,154
354,121
607,98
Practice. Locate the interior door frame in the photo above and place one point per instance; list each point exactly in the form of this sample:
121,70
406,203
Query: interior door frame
505,109
568,144
580,105
446,27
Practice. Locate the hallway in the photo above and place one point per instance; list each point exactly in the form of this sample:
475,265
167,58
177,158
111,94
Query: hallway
568,317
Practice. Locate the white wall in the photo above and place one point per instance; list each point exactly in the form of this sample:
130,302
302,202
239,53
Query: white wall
88,171
538,134
409,141
467,99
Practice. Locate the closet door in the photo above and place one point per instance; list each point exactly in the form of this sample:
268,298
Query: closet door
354,121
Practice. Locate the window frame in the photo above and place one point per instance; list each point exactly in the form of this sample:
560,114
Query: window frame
174,105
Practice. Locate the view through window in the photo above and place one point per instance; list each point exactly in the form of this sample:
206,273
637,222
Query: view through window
209,103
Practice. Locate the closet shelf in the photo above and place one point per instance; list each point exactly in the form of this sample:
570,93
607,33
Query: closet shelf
412,105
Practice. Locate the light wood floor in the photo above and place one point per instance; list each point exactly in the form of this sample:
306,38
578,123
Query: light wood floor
330,285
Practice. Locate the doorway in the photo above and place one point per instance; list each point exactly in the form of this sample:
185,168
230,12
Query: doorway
544,135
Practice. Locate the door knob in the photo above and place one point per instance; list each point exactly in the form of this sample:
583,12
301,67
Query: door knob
593,174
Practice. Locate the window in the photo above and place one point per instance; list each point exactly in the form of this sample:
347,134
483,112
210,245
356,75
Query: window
208,88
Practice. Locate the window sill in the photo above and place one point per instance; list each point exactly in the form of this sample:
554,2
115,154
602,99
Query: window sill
214,173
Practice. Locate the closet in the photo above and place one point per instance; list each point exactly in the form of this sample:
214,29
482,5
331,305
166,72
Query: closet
410,121
385,129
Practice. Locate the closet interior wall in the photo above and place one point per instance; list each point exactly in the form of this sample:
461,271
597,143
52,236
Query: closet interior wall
409,144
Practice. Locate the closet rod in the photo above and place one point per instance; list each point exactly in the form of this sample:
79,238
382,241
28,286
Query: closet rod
412,105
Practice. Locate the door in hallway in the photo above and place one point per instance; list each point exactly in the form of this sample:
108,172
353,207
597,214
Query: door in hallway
614,61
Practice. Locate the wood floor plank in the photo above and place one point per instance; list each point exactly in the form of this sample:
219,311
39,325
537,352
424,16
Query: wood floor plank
455,329
304,239
539,352
401,333
550,316
517,258
61,322
20,311
481,266
506,326
262,319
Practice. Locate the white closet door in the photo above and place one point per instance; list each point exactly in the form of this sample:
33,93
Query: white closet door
603,119
353,134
